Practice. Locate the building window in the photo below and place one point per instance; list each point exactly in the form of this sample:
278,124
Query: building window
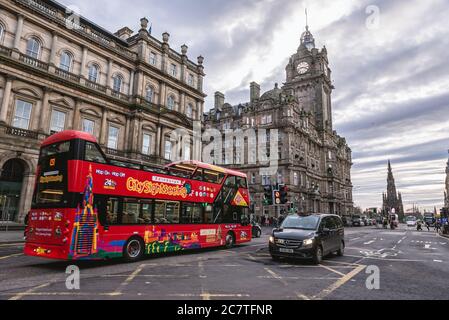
253,178
189,111
190,80
2,32
296,178
113,137
149,94
117,83
57,121
266,180
153,58
146,144
93,73
88,126
66,61
171,102
22,115
269,119
33,48
168,149
187,151
173,70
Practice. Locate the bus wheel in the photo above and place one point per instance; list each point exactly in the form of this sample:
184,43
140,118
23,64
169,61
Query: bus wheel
230,240
133,250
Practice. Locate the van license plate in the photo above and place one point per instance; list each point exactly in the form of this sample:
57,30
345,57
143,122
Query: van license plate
286,250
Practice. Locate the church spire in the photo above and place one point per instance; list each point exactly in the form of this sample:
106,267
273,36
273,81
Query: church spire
307,38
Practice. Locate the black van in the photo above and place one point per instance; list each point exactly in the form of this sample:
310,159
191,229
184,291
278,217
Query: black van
308,237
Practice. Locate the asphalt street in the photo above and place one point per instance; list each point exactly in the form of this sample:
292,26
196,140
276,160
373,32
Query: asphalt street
411,265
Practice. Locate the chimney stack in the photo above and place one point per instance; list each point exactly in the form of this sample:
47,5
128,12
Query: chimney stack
254,92
219,100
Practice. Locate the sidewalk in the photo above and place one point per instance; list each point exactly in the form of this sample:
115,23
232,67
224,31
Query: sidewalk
7,237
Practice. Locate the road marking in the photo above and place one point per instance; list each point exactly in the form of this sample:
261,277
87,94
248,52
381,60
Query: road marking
128,280
209,295
354,239
427,246
438,260
332,270
369,242
168,276
302,296
339,283
276,276
19,244
12,255
28,292
384,259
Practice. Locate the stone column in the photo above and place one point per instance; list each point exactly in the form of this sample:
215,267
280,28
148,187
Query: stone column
77,116
5,101
131,83
45,112
54,41
182,103
109,74
19,31
162,94
104,127
127,134
83,63
158,141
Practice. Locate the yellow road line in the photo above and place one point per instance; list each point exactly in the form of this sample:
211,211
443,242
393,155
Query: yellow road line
276,276
29,292
332,270
339,283
128,280
12,255
302,296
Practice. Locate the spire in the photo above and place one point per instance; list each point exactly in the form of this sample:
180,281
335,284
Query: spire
307,38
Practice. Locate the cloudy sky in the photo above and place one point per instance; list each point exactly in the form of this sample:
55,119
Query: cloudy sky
390,62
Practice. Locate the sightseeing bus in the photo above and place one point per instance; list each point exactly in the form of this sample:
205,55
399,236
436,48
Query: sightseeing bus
86,206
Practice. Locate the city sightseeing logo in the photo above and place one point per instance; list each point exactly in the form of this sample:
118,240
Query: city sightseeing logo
152,188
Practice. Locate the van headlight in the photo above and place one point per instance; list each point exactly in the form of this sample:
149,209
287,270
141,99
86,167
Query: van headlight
271,239
307,242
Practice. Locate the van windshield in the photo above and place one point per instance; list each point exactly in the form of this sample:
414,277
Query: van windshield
303,223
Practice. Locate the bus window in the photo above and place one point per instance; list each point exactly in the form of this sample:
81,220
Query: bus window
54,149
166,212
131,211
213,176
198,175
191,213
112,213
241,182
208,215
93,154
147,212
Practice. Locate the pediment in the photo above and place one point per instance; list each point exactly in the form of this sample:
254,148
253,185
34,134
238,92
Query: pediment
62,102
29,92
91,112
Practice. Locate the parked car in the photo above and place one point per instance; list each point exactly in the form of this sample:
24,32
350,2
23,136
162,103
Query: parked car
256,230
308,237
356,221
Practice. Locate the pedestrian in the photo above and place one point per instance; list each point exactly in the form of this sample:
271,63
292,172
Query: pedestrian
437,226
428,226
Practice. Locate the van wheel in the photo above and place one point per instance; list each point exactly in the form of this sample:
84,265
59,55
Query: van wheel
133,250
341,251
258,233
230,240
318,255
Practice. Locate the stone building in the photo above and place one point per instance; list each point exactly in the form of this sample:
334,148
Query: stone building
446,187
392,199
314,161
59,71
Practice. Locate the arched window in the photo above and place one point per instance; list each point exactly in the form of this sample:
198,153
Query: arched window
171,102
66,61
33,48
150,94
117,83
189,111
2,32
93,72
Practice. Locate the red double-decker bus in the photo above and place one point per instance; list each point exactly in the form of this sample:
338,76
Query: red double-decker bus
88,207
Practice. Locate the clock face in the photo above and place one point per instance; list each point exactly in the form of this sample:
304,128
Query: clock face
303,67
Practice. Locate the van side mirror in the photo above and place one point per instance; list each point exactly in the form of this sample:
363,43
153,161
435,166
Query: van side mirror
326,230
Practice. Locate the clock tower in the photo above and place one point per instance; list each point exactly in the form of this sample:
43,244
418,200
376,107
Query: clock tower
309,80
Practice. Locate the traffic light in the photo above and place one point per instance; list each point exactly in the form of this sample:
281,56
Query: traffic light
268,196
283,194
277,197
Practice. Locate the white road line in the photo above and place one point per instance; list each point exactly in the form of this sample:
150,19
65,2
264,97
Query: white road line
427,246
438,260
28,292
369,242
12,255
276,276
332,270
354,239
